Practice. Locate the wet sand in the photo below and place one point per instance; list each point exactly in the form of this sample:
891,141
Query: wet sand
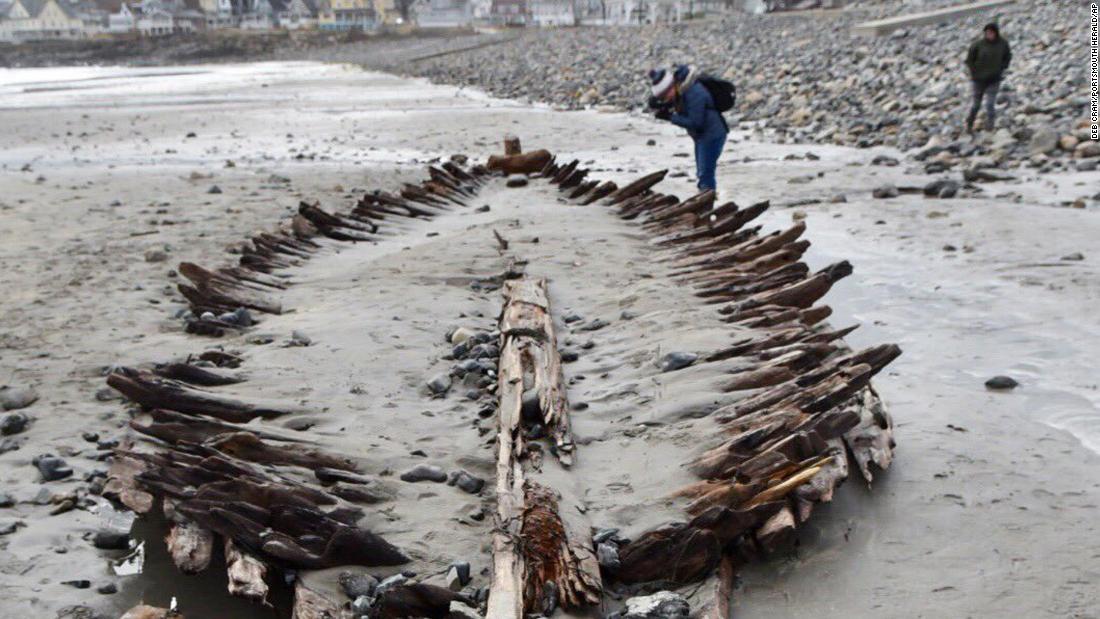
992,517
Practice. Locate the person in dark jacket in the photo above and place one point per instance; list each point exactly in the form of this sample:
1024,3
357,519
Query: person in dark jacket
987,62
680,99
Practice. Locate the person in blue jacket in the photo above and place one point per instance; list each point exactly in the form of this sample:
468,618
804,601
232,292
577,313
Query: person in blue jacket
680,99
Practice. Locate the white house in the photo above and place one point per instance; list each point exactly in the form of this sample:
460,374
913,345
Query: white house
554,12
648,11
298,14
26,20
219,13
261,15
510,12
444,13
481,10
161,17
123,20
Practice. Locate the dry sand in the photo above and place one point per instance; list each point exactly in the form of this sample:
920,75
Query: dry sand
991,517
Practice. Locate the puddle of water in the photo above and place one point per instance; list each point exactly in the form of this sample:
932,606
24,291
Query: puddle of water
156,581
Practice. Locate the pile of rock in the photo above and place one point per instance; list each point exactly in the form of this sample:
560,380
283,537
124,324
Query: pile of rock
806,78
475,354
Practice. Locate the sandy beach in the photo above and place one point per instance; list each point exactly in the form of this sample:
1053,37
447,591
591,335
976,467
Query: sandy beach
112,176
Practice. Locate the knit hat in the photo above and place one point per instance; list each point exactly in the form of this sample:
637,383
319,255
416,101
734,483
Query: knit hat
662,80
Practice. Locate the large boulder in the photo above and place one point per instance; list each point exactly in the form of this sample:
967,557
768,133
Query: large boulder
1044,141
1087,150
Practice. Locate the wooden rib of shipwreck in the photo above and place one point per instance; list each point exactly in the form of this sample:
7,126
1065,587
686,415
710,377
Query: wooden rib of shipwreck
254,283
808,406
271,501
540,561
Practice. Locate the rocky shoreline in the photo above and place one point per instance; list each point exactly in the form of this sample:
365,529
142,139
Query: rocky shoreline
804,78
381,50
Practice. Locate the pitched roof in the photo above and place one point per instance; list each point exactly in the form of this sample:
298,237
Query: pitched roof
307,5
71,8
33,7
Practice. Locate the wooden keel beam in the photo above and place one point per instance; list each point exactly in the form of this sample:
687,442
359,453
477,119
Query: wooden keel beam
509,568
526,321
533,544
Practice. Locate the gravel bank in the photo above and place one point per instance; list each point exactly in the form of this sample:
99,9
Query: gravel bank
805,78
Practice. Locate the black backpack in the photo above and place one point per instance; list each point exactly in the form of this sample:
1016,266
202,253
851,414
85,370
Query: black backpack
722,91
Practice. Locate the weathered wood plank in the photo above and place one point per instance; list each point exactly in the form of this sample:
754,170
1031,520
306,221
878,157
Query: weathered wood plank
552,550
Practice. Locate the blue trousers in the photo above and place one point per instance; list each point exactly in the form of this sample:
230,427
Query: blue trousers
707,151
989,92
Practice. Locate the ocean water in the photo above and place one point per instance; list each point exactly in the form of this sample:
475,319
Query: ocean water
150,86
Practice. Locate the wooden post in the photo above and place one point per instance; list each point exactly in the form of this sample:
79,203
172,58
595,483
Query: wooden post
511,145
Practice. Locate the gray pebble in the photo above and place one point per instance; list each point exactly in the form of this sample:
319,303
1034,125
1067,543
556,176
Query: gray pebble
439,384
676,360
13,424
14,398
466,482
111,540
424,472
1000,383
52,468
357,585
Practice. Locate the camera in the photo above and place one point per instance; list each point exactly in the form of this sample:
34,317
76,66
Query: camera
661,109
659,105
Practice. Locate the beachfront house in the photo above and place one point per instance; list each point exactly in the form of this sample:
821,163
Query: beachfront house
648,11
218,13
14,18
554,12
443,13
481,10
342,15
124,18
509,12
27,20
259,14
164,17
298,14
391,12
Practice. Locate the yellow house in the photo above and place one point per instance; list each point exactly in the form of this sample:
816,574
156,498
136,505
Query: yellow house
345,15
386,13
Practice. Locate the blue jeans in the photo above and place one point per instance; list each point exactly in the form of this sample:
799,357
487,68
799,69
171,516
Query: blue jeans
988,91
707,151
